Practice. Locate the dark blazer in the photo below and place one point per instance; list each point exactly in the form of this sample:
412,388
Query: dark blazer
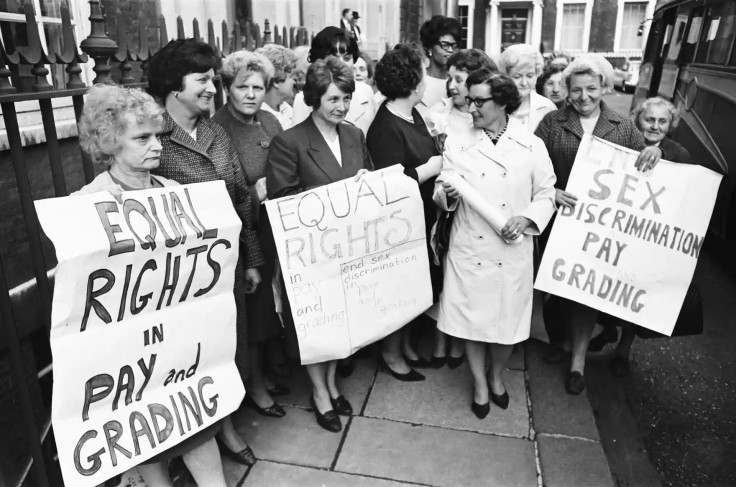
561,132
672,151
299,158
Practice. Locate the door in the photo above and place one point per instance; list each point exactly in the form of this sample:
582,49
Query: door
514,22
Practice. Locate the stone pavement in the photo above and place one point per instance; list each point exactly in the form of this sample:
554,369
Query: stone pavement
424,433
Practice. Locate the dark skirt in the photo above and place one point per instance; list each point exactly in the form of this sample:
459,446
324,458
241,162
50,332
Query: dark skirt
241,328
262,321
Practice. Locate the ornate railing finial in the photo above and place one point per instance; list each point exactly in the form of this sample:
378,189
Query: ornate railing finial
98,45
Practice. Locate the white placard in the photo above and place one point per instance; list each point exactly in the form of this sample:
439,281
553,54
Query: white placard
354,260
142,325
630,246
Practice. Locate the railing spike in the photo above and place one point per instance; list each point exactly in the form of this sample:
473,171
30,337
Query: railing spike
98,45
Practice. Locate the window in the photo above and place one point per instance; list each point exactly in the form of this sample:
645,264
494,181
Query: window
633,15
462,17
573,26
718,34
15,34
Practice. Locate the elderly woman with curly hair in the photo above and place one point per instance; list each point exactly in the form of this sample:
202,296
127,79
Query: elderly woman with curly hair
524,64
551,84
398,134
194,150
332,41
440,37
282,85
245,76
118,127
487,295
322,149
587,79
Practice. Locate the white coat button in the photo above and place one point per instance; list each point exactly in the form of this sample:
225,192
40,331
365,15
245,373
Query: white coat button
503,205
500,264
504,174
478,263
482,174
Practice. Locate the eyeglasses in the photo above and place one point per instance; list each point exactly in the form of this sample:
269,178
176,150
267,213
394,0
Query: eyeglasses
478,102
448,46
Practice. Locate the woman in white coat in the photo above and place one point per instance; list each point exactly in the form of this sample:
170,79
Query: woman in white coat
487,294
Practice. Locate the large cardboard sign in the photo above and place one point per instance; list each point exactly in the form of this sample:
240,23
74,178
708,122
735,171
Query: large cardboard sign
142,325
630,246
354,260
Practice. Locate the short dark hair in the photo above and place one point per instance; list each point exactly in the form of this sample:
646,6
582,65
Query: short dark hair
344,11
502,86
470,60
324,72
175,60
547,73
399,72
332,41
436,27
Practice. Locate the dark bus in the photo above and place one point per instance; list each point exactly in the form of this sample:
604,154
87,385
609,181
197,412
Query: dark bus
690,59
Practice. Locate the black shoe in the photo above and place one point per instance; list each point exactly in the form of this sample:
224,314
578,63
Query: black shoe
500,400
620,366
608,335
438,362
342,406
574,383
329,421
346,367
455,362
243,457
481,410
420,363
411,376
279,390
274,410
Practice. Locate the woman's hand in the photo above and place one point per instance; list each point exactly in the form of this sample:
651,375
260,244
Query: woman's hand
360,174
252,280
429,169
648,158
514,227
261,191
563,198
450,190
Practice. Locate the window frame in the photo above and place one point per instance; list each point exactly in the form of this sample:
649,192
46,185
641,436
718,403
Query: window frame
587,17
648,14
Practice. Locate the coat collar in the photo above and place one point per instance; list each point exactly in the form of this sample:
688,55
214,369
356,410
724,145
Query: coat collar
514,136
205,134
569,119
323,157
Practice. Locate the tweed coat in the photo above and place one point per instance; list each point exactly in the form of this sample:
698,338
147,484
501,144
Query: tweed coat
361,112
209,158
562,132
487,293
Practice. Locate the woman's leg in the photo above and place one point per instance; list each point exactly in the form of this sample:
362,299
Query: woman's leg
256,383
582,323
318,375
477,360
230,437
205,464
440,343
155,474
332,389
499,358
392,353
457,347
620,364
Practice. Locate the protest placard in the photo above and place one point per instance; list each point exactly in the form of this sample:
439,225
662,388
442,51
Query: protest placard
142,325
354,261
630,246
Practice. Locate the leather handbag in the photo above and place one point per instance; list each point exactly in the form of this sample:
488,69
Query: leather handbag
444,228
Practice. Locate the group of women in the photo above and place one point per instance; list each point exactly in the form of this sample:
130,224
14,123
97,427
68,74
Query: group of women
447,115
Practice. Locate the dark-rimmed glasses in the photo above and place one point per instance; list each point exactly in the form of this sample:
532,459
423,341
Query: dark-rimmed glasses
448,46
478,102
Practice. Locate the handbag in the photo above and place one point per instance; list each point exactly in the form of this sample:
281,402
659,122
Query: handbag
444,228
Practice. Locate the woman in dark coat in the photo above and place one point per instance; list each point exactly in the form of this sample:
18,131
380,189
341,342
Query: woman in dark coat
195,150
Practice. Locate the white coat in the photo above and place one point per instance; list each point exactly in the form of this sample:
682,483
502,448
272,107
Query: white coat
487,293
361,113
539,106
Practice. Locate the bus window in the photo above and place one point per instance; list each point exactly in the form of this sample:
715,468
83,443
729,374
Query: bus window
693,35
677,38
719,32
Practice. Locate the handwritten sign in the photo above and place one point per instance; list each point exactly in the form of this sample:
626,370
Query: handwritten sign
354,260
142,325
630,246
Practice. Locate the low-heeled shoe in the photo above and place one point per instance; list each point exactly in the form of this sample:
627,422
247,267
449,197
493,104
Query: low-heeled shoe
329,421
420,363
481,410
243,457
500,400
574,383
279,390
342,406
455,362
274,410
438,362
411,376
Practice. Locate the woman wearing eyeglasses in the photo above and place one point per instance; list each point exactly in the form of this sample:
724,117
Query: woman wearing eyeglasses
487,292
440,37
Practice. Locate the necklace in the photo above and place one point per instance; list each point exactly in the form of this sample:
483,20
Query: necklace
396,112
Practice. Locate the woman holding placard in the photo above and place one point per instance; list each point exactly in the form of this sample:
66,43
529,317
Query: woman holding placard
118,128
588,78
322,149
499,180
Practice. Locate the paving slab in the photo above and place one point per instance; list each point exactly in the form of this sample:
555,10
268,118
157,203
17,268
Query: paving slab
555,411
435,456
568,462
354,388
279,475
444,399
516,361
296,438
234,472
